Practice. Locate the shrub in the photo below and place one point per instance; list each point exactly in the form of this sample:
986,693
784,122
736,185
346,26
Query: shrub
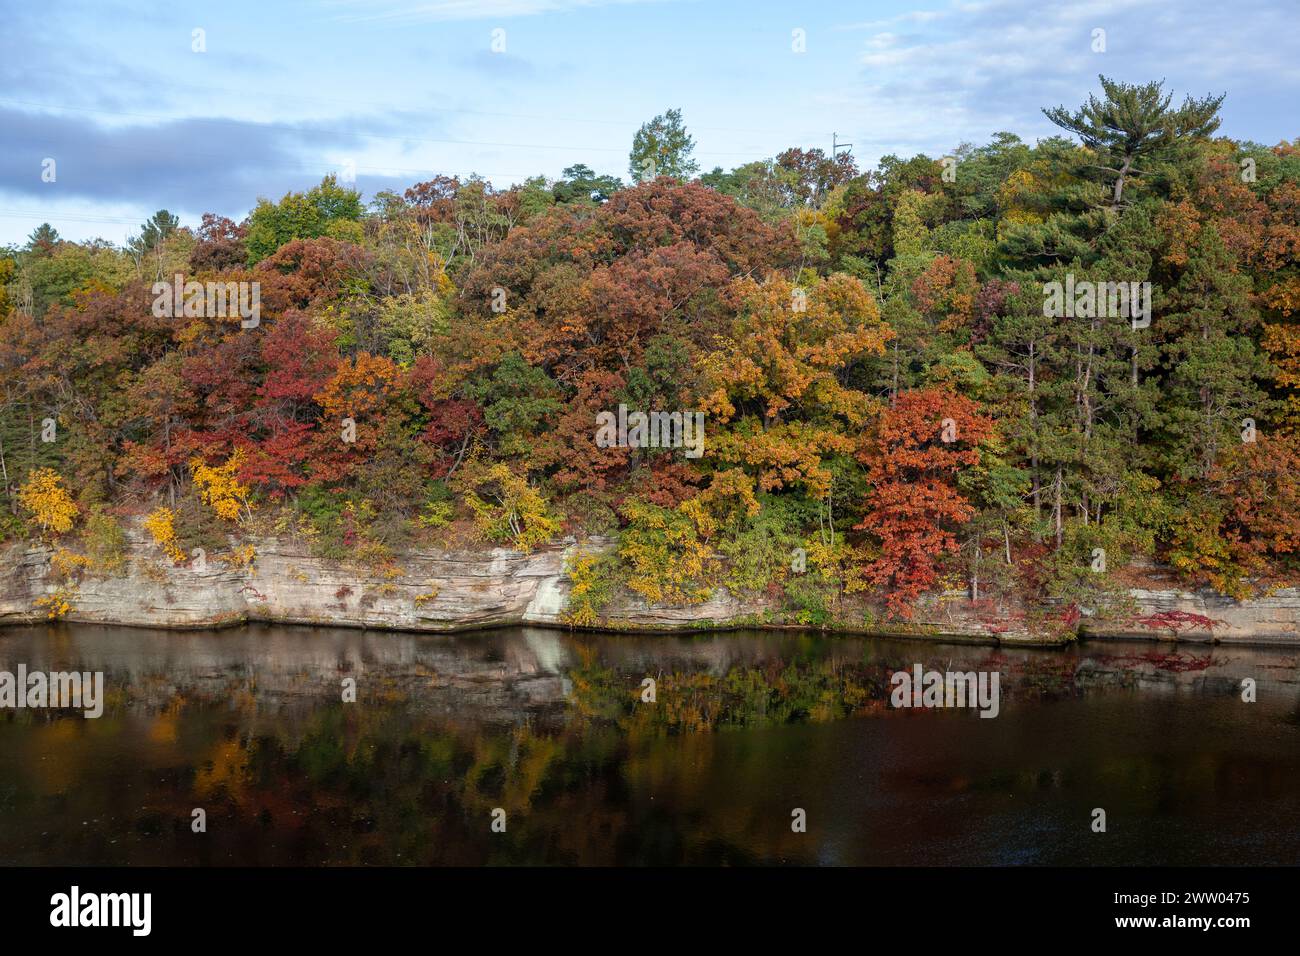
664,554
161,525
592,580
507,508
105,542
48,502
219,487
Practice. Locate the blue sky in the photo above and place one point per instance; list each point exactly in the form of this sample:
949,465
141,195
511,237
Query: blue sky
289,91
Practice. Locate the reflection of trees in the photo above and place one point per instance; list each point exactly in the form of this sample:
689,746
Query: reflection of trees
770,694
380,783
411,773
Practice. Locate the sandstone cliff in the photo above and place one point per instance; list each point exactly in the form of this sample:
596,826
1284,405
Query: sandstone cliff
462,590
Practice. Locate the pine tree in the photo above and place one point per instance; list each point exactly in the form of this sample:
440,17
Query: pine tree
1133,127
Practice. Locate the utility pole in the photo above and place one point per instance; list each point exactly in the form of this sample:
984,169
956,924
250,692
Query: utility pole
836,146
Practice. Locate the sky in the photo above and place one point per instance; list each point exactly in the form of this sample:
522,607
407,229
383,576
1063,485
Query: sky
136,117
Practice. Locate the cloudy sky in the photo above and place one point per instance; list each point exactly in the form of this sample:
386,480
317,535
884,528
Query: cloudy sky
286,91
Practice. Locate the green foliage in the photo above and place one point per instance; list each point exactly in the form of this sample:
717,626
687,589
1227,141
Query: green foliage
53,277
662,147
518,399
105,542
800,691
325,517
579,183
799,305
158,227
506,508
809,602
664,556
760,553
325,210
592,581
1133,126
439,507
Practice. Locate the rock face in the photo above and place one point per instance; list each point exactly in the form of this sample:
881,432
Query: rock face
463,590
1269,619
435,591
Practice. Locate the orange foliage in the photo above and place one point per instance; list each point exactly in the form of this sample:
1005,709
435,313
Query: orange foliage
914,503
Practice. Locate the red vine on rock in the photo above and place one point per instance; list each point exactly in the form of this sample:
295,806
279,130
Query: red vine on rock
1175,622
995,620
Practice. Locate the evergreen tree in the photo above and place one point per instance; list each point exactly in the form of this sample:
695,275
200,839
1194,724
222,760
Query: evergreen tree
662,147
1133,127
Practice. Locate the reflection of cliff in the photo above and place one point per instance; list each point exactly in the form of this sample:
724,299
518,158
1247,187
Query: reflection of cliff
507,675
501,587
493,676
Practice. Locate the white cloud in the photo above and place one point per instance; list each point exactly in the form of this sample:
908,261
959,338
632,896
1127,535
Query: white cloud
964,71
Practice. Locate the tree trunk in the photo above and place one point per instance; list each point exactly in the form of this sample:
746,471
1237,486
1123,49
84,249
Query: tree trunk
1119,182
1057,509
1033,457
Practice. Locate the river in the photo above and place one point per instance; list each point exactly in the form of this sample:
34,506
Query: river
546,734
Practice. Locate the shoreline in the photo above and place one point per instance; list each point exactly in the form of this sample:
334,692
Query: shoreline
457,592
969,640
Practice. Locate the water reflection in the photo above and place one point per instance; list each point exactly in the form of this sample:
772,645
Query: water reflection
249,725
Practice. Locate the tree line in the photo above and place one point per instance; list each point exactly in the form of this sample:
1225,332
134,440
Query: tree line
890,405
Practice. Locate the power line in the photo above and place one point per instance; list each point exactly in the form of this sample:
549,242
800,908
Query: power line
20,214
373,104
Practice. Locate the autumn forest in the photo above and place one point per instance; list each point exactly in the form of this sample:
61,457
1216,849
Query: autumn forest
892,403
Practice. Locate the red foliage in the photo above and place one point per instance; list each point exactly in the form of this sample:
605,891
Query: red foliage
914,503
582,463
220,245
1175,621
434,200
307,272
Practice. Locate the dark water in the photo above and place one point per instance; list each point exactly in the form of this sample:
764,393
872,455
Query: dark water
249,725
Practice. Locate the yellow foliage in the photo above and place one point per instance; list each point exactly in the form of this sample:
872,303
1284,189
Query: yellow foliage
729,500
786,454
1283,343
1016,198
665,551
50,504
56,605
67,563
588,589
220,488
786,354
240,557
161,524
1199,551
514,511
